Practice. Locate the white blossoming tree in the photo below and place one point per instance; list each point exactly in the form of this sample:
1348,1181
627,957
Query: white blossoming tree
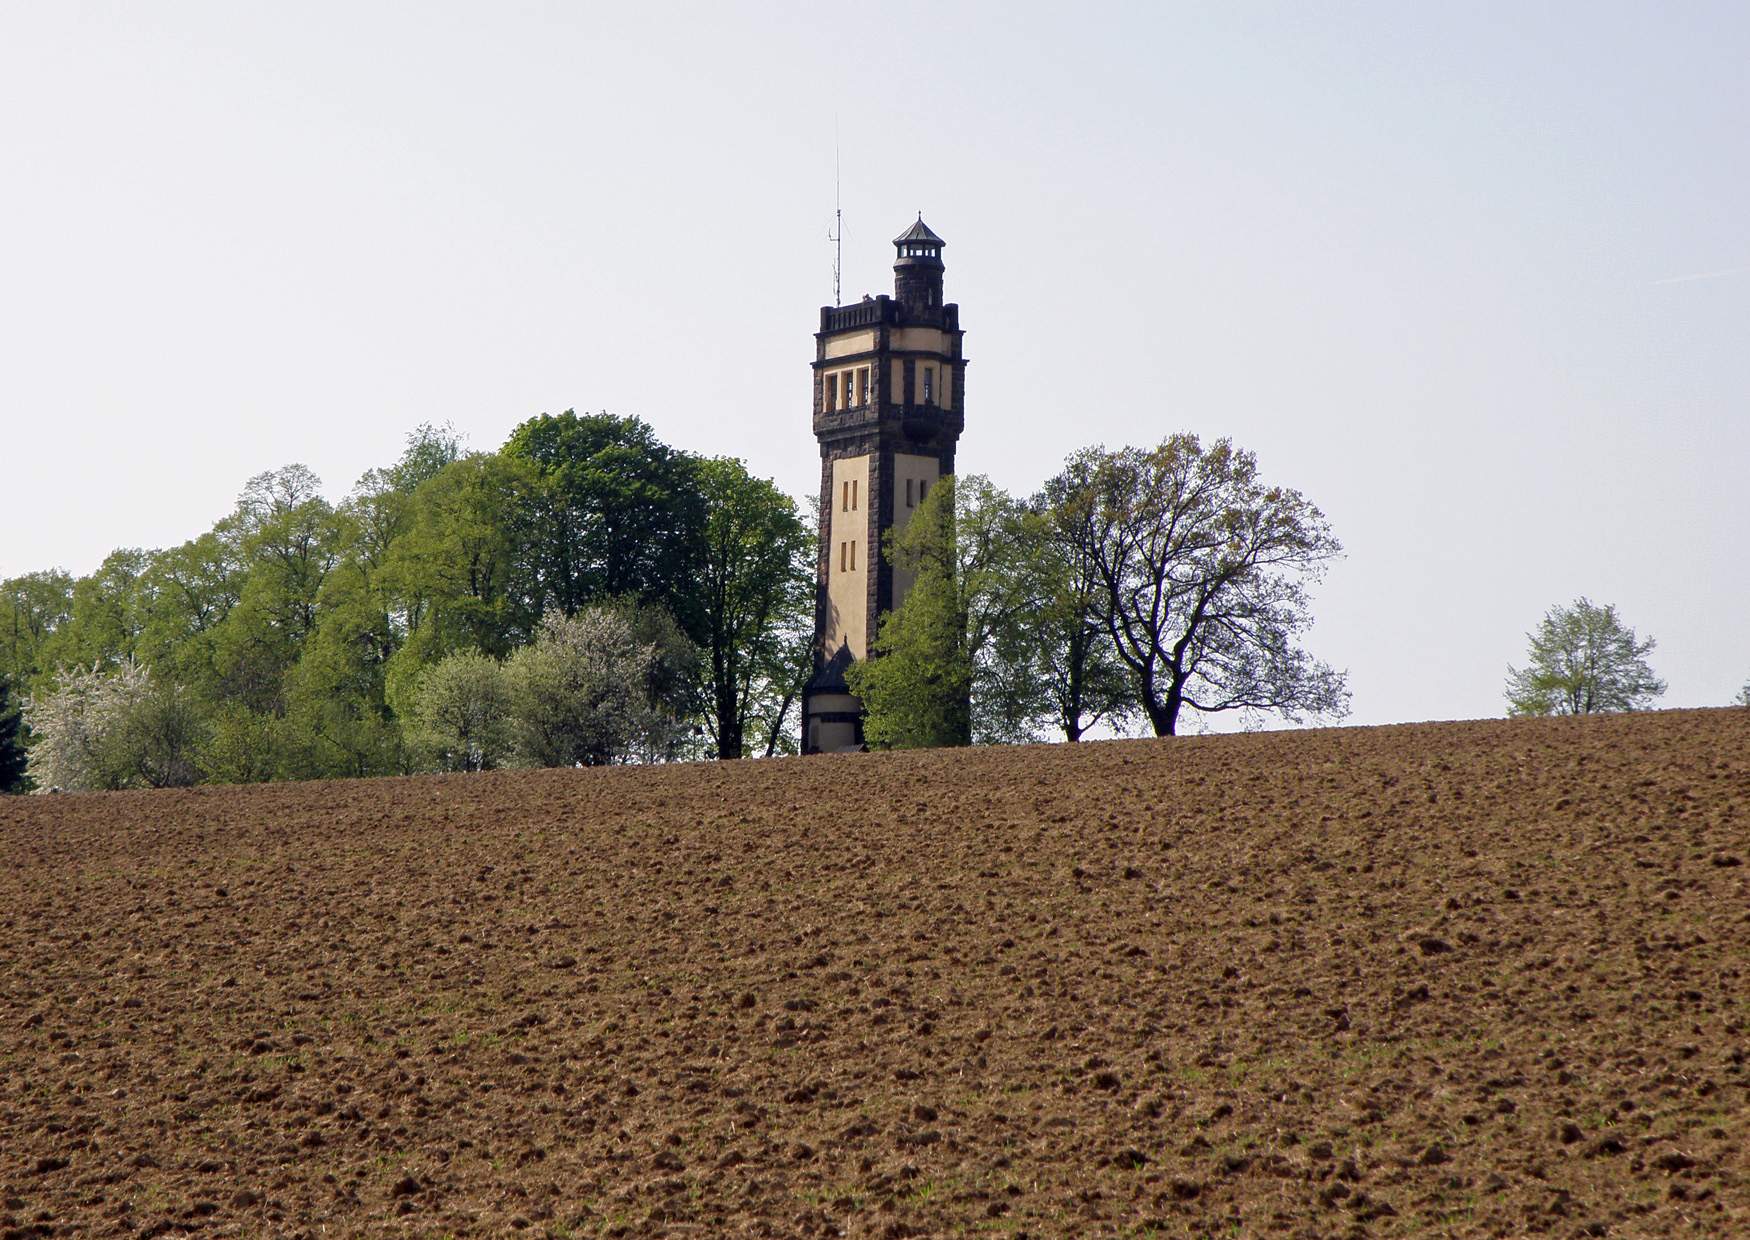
461,712
100,729
77,726
580,693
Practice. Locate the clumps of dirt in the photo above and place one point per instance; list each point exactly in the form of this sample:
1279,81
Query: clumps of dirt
1471,979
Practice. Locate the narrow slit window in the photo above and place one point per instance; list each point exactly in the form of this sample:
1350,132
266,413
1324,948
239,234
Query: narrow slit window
844,497
863,386
929,385
842,557
831,396
910,485
853,557
855,498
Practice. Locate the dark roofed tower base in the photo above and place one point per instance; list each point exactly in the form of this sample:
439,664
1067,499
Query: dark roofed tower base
889,388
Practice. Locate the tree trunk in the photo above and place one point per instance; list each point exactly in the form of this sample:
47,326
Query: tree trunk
728,708
728,735
778,724
1164,715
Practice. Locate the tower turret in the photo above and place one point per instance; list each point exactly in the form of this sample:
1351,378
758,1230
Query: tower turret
917,271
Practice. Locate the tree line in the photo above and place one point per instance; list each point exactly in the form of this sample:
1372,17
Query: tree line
296,638
588,594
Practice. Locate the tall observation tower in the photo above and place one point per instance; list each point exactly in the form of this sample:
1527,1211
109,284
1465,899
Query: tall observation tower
889,391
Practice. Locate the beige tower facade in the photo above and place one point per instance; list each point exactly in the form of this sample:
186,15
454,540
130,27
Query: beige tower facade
889,391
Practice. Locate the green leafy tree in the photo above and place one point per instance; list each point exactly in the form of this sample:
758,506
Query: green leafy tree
377,518
290,539
770,730
1583,660
32,608
243,746
429,450
158,740
617,514
755,581
337,697
454,569
1000,574
189,592
337,722
1204,570
916,688
1055,658
934,678
12,753
108,613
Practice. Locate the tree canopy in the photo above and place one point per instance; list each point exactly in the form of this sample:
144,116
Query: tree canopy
590,594
938,675
1203,572
1582,660
756,590
614,513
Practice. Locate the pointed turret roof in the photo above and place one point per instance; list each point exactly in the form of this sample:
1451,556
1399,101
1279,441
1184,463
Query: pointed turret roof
919,231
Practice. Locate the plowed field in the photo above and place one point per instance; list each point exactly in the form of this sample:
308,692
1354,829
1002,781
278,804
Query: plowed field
1448,979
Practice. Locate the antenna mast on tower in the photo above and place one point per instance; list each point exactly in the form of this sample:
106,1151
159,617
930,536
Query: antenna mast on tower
837,235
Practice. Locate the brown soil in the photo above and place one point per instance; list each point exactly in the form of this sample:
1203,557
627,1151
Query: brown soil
1452,979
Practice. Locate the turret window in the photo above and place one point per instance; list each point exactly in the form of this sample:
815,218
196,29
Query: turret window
910,485
929,385
863,386
831,393
848,496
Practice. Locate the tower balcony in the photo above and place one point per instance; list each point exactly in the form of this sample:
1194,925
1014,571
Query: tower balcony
883,310
915,426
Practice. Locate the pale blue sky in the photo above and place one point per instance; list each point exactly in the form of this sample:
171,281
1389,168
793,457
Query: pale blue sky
1475,278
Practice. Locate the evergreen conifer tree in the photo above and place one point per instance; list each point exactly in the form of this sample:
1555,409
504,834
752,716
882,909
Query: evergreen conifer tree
12,756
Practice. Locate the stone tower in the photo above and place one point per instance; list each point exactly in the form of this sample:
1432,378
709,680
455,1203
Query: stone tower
889,390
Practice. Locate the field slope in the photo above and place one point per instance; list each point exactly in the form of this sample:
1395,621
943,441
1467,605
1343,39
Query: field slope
1449,979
